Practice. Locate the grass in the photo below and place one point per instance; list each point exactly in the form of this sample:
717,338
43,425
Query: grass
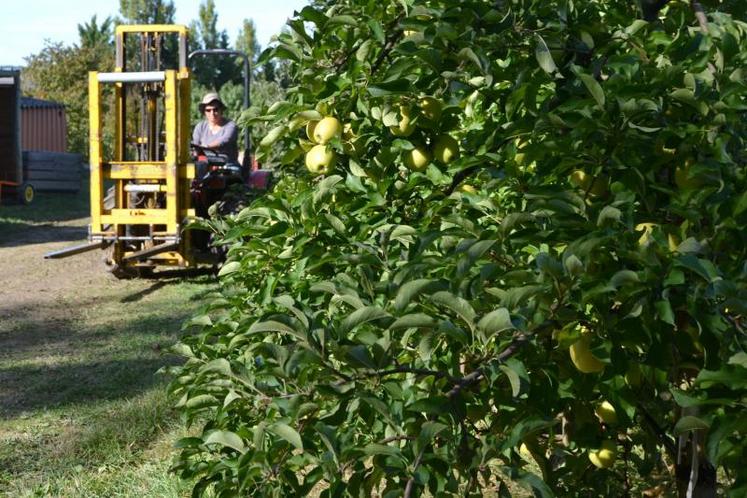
83,411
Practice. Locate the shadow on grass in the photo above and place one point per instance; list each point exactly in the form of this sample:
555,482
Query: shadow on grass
49,364
27,388
165,278
19,234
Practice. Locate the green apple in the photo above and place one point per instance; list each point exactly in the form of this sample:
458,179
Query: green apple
417,159
446,149
320,160
326,129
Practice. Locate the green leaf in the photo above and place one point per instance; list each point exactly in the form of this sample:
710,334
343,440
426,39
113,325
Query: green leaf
385,88
517,376
689,423
226,438
271,326
594,88
414,320
201,401
361,316
544,57
341,20
664,311
432,406
456,304
739,359
382,449
219,365
623,277
496,321
325,186
228,268
607,215
202,320
362,53
428,431
286,432
409,290
469,54
336,223
700,267
536,484
273,136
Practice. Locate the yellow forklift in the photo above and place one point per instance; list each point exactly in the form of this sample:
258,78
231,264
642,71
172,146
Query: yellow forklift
144,191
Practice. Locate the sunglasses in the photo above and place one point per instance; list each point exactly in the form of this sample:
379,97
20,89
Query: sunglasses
212,109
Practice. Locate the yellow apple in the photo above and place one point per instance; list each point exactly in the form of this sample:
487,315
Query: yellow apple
326,129
405,126
605,456
583,358
446,149
595,186
430,108
320,160
417,159
606,413
467,188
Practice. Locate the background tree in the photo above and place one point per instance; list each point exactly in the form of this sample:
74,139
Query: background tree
211,72
147,11
246,41
92,34
59,73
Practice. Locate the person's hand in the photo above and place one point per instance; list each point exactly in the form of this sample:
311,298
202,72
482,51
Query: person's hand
213,145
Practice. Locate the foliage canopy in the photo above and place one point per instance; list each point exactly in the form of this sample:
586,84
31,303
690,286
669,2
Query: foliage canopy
383,330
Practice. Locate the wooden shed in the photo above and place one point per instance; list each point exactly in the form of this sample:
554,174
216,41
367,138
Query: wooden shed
46,164
43,125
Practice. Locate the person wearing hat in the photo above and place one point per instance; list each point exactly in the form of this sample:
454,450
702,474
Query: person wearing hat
216,131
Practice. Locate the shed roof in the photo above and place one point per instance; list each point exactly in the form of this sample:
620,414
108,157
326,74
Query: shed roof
32,103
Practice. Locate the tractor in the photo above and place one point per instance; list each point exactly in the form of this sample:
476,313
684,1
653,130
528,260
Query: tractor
145,190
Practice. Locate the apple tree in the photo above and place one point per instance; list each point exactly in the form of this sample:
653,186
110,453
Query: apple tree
517,259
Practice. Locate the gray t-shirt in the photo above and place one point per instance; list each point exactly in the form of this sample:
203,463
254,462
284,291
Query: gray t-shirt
226,137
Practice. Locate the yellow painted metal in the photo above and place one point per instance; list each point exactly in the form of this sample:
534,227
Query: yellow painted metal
137,216
172,155
137,171
95,150
152,28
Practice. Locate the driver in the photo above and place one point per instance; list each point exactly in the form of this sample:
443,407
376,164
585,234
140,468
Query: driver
216,131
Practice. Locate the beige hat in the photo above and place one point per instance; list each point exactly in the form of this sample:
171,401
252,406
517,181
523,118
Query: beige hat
208,99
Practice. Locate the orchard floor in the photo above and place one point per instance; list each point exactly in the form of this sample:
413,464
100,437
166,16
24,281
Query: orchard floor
83,412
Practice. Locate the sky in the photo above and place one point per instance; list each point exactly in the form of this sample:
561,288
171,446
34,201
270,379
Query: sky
26,24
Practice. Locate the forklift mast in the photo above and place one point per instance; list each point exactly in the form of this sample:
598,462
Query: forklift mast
148,167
